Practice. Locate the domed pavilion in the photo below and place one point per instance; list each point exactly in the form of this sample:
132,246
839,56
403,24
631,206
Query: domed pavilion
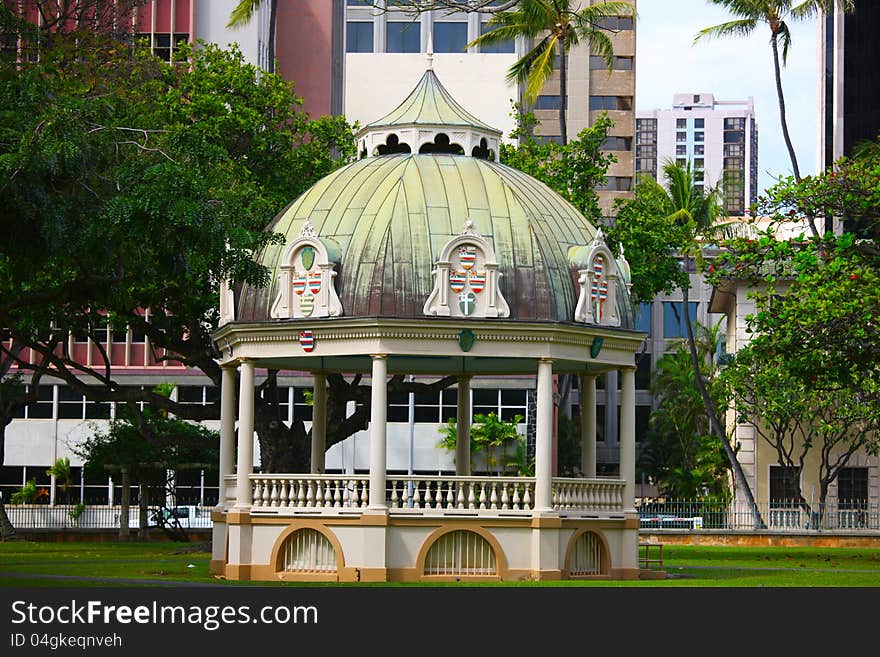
427,257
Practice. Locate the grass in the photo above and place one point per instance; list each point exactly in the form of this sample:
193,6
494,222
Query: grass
150,564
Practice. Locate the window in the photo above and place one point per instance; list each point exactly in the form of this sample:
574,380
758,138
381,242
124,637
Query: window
643,418
681,137
495,48
699,136
699,149
699,124
643,317
546,139
734,124
402,36
643,371
450,37
699,163
731,150
681,124
644,164
673,318
852,488
161,43
548,102
616,23
617,184
42,409
618,63
301,410
359,36
681,161
617,144
622,103
732,137
783,485
97,410
681,149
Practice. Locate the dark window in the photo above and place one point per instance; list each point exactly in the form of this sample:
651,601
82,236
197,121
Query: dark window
617,184
673,318
852,488
643,417
699,136
643,317
301,410
681,124
547,102
783,485
699,124
616,23
162,44
97,410
450,36
402,36
495,48
643,371
617,144
618,63
190,394
699,149
611,103
681,149
681,137
70,403
359,36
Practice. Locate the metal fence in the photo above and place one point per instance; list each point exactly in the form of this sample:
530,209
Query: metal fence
72,516
784,516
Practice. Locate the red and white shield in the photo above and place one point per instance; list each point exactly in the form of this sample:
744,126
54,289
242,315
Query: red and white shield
477,280
468,255
299,283
307,340
598,266
457,280
314,282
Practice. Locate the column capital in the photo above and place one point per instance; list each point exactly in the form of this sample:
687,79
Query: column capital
628,368
549,361
244,359
464,377
378,356
232,365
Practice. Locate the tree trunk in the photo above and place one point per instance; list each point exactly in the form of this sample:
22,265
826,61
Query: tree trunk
143,510
563,95
124,504
715,427
784,123
7,531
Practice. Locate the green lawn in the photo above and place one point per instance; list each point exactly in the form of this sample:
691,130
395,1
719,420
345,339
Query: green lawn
148,564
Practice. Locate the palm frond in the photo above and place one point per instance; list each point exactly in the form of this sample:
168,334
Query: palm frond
784,36
740,27
243,13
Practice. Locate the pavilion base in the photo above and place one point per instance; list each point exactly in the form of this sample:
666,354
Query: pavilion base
382,547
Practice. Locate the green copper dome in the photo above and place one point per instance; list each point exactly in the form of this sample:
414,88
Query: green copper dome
386,219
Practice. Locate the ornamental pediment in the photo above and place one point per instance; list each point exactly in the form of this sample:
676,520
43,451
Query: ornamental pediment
597,298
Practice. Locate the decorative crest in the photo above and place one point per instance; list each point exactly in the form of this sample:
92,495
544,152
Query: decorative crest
308,230
469,229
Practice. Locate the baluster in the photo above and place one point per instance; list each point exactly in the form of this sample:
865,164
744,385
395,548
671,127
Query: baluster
300,494
504,497
417,497
365,493
565,497
267,498
527,497
257,494
516,499
350,493
282,493
471,499
462,494
319,493
494,496
482,494
394,498
310,493
438,495
273,496
337,497
450,495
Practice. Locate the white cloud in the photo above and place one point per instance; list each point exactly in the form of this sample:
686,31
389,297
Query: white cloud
732,69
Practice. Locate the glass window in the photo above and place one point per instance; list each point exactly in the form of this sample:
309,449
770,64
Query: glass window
852,488
402,36
359,36
699,163
623,103
734,124
616,23
301,409
70,403
734,137
547,102
681,124
643,317
643,371
699,136
681,149
673,318
495,48
618,63
783,484
699,124
619,144
450,36
699,149
681,137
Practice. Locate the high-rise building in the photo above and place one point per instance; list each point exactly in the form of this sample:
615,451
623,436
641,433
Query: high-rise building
848,93
719,139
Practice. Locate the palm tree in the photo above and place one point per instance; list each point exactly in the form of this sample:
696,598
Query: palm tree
775,14
697,212
558,25
243,13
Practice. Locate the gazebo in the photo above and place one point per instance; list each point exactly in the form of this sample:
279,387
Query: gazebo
427,257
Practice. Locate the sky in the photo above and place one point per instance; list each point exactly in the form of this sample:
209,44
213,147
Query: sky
731,69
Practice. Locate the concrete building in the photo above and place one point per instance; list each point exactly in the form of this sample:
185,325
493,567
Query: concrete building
718,138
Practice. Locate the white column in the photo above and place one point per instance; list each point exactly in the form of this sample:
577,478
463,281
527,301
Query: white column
243,491
463,427
227,429
628,436
319,423
588,425
378,432
544,438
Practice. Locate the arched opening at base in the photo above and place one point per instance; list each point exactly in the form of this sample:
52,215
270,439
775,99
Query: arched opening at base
587,556
461,553
308,551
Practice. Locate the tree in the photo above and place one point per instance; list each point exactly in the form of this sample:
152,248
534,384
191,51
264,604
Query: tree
61,471
495,438
558,25
676,218
133,184
775,14
680,455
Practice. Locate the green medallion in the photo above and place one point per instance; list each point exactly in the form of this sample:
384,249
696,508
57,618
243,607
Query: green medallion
466,339
308,257
596,347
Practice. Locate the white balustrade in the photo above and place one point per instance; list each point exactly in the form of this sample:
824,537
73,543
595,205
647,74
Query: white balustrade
466,495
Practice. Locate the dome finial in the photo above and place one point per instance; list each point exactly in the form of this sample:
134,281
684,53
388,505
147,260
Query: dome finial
468,228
